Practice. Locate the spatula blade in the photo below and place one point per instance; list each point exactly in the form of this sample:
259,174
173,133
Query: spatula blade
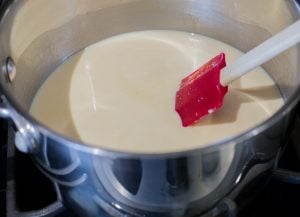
201,92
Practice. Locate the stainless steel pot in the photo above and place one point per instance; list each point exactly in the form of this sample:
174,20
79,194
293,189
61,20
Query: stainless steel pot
38,35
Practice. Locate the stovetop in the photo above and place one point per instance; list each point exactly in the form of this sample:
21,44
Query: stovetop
3,163
24,188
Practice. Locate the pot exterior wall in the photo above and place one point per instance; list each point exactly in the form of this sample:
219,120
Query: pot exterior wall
184,185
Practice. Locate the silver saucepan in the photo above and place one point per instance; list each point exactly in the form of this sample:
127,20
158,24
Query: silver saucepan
38,35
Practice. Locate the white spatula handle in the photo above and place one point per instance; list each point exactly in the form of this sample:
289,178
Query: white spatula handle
262,53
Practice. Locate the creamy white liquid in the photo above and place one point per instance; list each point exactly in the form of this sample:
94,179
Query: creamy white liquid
120,94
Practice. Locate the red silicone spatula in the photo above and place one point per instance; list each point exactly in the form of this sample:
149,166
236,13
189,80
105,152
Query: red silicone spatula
202,92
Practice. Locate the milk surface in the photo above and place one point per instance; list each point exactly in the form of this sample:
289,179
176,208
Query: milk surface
120,94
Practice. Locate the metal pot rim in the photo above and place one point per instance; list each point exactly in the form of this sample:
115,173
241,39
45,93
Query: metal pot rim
98,150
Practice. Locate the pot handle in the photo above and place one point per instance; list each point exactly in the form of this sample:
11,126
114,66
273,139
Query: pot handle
27,136
287,176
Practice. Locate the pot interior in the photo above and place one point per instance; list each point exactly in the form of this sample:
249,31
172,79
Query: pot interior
40,34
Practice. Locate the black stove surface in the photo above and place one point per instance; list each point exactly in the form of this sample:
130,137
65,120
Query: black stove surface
278,198
3,166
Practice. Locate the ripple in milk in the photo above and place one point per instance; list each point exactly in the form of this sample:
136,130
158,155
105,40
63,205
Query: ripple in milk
120,94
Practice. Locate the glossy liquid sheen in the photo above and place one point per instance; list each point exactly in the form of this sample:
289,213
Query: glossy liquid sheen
120,93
